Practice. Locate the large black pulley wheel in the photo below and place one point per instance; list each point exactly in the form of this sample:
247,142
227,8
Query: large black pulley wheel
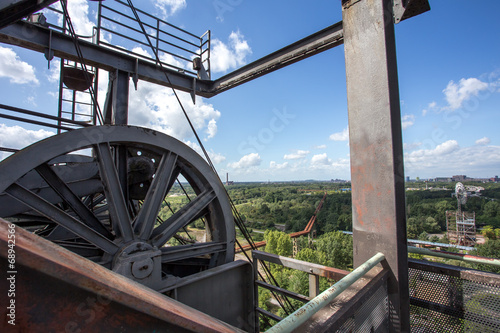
103,192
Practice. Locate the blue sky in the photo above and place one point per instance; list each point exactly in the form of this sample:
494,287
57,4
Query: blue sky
292,124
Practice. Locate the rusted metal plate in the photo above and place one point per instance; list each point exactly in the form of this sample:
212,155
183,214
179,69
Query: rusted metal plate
54,290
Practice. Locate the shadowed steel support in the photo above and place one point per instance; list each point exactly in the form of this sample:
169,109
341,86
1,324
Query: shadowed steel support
377,171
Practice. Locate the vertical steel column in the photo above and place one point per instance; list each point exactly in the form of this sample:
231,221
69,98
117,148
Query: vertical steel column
120,98
377,170
120,117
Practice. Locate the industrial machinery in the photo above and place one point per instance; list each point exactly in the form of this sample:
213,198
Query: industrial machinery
98,190
93,196
461,226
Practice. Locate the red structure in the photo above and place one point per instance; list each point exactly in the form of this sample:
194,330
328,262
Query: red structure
306,231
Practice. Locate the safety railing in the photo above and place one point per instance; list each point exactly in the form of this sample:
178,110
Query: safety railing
445,298
455,256
117,28
368,306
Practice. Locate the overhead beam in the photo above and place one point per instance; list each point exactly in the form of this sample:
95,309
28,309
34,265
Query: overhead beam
13,10
404,9
41,39
313,44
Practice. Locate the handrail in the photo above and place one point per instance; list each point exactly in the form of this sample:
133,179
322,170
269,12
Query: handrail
182,44
455,256
300,316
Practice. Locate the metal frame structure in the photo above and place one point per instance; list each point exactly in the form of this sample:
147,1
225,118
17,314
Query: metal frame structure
367,31
460,225
118,236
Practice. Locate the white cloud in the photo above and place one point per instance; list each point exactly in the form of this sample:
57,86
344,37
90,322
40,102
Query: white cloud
216,158
211,129
430,107
446,147
483,141
320,147
12,67
411,146
246,161
141,51
422,155
341,136
320,159
457,93
277,166
407,120
169,7
449,159
78,11
329,168
31,100
297,155
156,107
224,57
55,71
17,137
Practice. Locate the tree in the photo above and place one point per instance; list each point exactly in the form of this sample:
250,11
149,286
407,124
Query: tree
423,236
264,209
489,232
490,249
337,248
434,239
278,242
492,209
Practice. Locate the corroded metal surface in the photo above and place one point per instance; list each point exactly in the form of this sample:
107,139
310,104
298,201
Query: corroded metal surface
376,147
320,270
58,291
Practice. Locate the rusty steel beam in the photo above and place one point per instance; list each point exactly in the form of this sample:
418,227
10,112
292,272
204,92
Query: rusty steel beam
320,270
41,39
50,289
318,42
376,146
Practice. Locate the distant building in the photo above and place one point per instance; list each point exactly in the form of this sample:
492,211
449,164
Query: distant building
442,179
495,179
228,182
338,181
458,178
407,178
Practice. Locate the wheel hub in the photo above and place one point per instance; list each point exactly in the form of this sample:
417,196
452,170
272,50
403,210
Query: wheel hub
141,262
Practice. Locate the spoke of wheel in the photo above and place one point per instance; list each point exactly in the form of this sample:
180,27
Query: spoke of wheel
174,253
120,217
69,197
62,218
182,217
171,210
146,219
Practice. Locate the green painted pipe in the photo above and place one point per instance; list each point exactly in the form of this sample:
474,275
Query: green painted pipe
455,256
297,318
